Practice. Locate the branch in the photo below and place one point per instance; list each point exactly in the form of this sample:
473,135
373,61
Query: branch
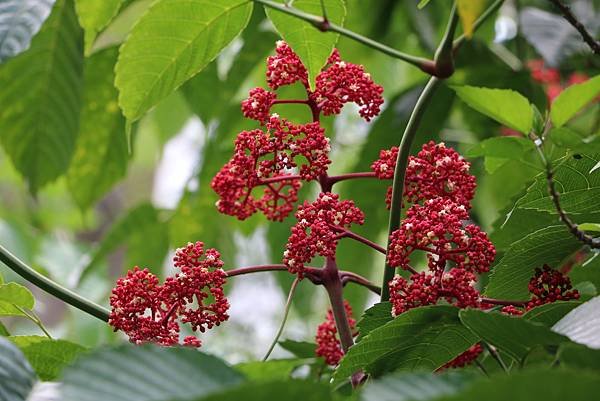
350,176
570,17
350,277
398,184
312,273
349,234
320,23
51,287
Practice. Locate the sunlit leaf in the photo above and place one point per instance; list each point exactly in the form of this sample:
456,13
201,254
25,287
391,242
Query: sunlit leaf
94,15
469,11
573,99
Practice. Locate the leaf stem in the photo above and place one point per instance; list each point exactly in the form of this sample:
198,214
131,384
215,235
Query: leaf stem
35,319
494,353
51,287
398,184
286,312
320,23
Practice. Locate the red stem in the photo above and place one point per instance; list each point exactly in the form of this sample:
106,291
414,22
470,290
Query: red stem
350,277
503,302
349,234
290,101
342,177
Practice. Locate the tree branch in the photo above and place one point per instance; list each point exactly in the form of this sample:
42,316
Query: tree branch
570,17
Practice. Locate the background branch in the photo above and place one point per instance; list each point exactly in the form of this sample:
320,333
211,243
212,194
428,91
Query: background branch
570,17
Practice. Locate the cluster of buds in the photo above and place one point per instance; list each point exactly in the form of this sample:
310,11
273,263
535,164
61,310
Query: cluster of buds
546,286
318,230
148,311
281,155
436,171
551,79
328,343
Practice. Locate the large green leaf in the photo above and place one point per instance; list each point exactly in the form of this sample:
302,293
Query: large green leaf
94,15
101,154
499,150
511,275
550,313
145,373
513,335
582,324
16,294
503,105
144,235
171,43
528,385
16,376
579,356
312,46
416,386
420,339
374,317
47,357
20,20
40,99
573,99
292,390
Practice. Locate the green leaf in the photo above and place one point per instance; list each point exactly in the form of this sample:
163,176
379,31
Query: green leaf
579,356
145,373
312,46
513,335
301,349
143,234
422,4
17,295
510,276
582,324
276,369
374,317
503,105
20,20
47,357
16,376
95,15
595,227
566,138
469,11
102,140
528,385
416,386
573,99
40,99
420,339
551,313
292,390
499,150
3,331
171,43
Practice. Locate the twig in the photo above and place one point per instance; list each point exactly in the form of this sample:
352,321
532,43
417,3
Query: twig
350,277
286,312
570,17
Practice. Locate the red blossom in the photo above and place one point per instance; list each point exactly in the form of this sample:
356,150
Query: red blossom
436,227
542,74
150,312
341,82
285,67
261,156
258,104
328,343
548,285
316,232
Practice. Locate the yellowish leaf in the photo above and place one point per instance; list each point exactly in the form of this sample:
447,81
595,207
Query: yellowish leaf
469,11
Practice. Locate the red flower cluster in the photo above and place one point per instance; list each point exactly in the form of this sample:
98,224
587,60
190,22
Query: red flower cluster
435,171
546,286
318,228
465,358
436,228
285,67
551,79
266,158
328,343
150,312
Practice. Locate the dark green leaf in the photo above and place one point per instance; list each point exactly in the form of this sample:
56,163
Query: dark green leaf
579,356
40,99
420,339
499,150
513,335
416,386
20,20
301,349
573,99
374,317
47,357
16,376
503,105
277,369
102,141
511,275
145,373
312,46
292,390
551,313
171,43
569,139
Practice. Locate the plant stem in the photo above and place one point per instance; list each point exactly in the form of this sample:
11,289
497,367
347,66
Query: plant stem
333,285
477,24
350,176
349,234
398,184
494,353
35,319
444,55
51,287
570,17
350,277
323,24
286,312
